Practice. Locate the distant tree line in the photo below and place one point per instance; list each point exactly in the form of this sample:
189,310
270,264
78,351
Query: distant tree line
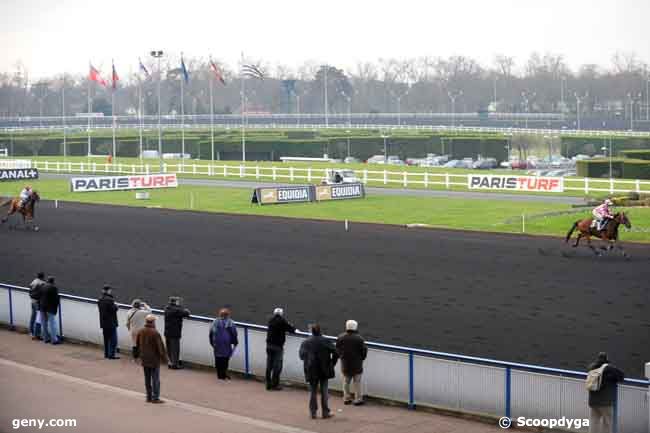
543,84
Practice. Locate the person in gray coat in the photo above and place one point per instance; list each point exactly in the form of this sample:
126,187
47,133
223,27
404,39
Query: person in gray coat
319,358
601,402
353,351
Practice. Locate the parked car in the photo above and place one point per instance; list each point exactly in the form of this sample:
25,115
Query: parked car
376,159
485,164
351,160
338,176
457,163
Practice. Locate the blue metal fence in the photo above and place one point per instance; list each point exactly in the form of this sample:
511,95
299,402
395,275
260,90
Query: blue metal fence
508,367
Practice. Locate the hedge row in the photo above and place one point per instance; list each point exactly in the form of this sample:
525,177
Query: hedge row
621,168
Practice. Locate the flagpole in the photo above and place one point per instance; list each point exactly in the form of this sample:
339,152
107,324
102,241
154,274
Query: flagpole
113,113
63,116
140,113
243,111
89,110
182,114
211,117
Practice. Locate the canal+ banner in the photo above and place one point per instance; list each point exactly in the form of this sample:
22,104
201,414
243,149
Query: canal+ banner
121,183
516,183
18,174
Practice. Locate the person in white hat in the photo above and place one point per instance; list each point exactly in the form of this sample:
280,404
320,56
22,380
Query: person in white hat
352,350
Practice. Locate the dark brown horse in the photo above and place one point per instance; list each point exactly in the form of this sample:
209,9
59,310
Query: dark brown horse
27,211
608,234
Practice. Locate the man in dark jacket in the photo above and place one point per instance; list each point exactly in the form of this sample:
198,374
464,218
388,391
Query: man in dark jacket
35,291
353,351
319,357
108,322
49,306
275,338
174,315
601,402
151,351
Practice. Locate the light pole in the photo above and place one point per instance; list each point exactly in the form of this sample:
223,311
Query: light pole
631,99
526,95
325,68
604,149
495,93
562,88
348,133
157,55
349,98
647,99
452,98
63,115
579,99
385,136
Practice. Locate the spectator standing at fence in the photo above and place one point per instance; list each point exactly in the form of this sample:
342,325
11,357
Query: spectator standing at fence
151,351
135,321
108,322
319,358
603,376
49,306
223,339
35,291
352,350
174,315
275,338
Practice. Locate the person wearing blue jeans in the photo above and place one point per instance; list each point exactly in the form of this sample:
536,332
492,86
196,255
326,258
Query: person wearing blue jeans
35,291
49,306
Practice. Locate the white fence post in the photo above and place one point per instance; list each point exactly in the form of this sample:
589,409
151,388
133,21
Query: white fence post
147,168
193,168
611,185
225,170
309,174
81,168
586,185
257,172
365,175
385,177
291,173
447,180
405,179
274,173
242,168
133,168
426,179
47,165
638,186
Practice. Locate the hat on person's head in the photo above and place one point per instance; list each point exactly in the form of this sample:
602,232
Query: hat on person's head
40,275
602,356
174,300
136,303
278,312
150,318
50,279
351,325
106,288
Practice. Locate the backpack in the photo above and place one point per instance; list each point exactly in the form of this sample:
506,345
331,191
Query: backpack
594,379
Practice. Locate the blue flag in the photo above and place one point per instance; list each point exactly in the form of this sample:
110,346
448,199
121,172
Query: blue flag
186,75
143,68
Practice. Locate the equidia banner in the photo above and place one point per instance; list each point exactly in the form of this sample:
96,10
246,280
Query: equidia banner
283,194
18,174
119,183
340,192
516,183
297,194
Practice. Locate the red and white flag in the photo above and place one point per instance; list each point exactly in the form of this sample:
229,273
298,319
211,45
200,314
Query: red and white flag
94,76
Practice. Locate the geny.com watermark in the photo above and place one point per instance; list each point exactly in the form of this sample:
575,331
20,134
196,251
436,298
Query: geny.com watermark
564,422
42,423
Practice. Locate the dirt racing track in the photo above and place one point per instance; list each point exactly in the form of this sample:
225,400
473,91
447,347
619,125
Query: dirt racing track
507,297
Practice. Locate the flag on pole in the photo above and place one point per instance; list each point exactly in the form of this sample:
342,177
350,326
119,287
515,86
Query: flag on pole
186,75
217,72
143,69
114,77
252,71
94,76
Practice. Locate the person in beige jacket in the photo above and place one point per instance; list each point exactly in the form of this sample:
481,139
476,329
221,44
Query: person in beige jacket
135,320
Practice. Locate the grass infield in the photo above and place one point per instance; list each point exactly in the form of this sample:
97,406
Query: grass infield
452,213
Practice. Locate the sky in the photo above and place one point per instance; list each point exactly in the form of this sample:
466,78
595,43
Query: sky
56,36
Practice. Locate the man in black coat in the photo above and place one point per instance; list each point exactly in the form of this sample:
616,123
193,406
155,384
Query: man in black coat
108,322
319,357
174,315
601,402
275,339
49,306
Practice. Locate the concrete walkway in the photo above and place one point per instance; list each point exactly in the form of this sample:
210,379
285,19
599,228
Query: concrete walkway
73,381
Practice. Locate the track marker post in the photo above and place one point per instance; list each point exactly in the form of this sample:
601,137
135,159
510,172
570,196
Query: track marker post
523,223
56,204
347,226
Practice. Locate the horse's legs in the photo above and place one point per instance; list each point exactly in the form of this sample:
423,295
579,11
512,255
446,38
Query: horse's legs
596,252
577,240
620,247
